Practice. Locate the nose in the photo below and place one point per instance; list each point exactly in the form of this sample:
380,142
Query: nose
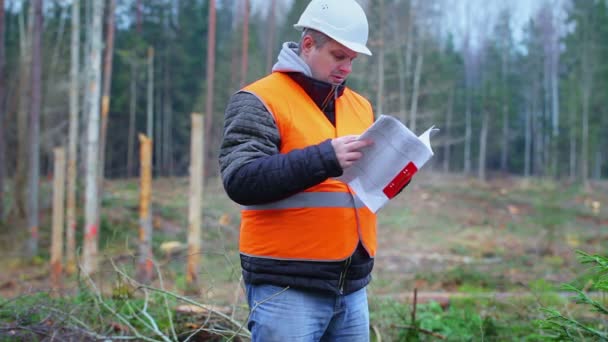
346,67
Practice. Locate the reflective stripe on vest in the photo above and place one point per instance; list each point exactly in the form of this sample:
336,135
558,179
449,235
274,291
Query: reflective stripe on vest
325,222
312,200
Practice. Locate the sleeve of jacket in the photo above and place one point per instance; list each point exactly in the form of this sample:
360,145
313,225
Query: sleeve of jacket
253,170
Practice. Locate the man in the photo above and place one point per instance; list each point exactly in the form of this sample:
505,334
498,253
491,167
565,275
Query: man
307,242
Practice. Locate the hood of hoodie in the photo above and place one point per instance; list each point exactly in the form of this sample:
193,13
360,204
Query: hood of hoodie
322,93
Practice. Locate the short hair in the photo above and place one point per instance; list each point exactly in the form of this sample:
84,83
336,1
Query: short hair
319,38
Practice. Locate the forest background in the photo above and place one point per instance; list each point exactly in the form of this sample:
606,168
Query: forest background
521,103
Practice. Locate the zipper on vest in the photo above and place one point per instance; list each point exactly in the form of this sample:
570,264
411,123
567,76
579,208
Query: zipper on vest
343,275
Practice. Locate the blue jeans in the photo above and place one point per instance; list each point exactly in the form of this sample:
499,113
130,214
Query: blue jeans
287,314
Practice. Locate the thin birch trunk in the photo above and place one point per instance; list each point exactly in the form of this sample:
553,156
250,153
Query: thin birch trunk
150,98
587,86
528,140
132,112
448,130
573,146
58,210
22,160
380,93
168,115
34,130
196,197
271,33
416,86
504,150
105,103
409,47
91,235
245,43
2,112
144,263
73,140
400,73
211,80
483,143
158,119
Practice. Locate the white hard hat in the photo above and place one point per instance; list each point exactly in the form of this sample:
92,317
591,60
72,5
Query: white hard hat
342,20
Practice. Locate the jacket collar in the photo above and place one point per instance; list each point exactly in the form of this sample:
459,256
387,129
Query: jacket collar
322,93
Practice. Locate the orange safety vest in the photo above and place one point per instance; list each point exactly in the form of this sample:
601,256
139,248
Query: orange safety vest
326,221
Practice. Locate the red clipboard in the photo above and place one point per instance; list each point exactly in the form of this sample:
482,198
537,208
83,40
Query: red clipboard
402,178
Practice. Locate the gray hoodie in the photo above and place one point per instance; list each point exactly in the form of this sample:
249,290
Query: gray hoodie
289,60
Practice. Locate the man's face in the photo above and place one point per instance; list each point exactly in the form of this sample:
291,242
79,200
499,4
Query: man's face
330,63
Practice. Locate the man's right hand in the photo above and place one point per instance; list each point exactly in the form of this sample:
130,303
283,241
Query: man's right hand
348,149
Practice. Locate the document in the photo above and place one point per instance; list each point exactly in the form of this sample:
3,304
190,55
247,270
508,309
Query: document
389,163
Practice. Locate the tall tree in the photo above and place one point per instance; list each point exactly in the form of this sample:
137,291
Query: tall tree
380,92
107,83
73,139
272,28
210,82
22,159
2,111
34,134
91,235
245,43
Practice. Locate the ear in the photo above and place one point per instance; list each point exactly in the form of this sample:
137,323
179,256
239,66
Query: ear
308,44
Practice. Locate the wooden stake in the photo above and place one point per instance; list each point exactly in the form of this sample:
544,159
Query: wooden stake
144,264
196,195
58,208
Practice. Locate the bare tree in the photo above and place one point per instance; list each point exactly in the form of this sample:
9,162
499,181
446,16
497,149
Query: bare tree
272,28
22,160
73,140
2,111
34,131
132,112
91,235
245,43
150,98
448,129
416,85
380,93
210,82
107,83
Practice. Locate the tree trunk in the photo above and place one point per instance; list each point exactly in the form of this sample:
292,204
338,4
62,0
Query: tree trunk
107,84
468,129
34,131
195,202
401,73
380,93
409,47
272,28
132,111
211,81
22,160
58,210
150,99
89,260
73,140
2,112
483,143
572,158
448,130
528,140
168,126
144,263
416,86
504,150
587,86
158,118
245,43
